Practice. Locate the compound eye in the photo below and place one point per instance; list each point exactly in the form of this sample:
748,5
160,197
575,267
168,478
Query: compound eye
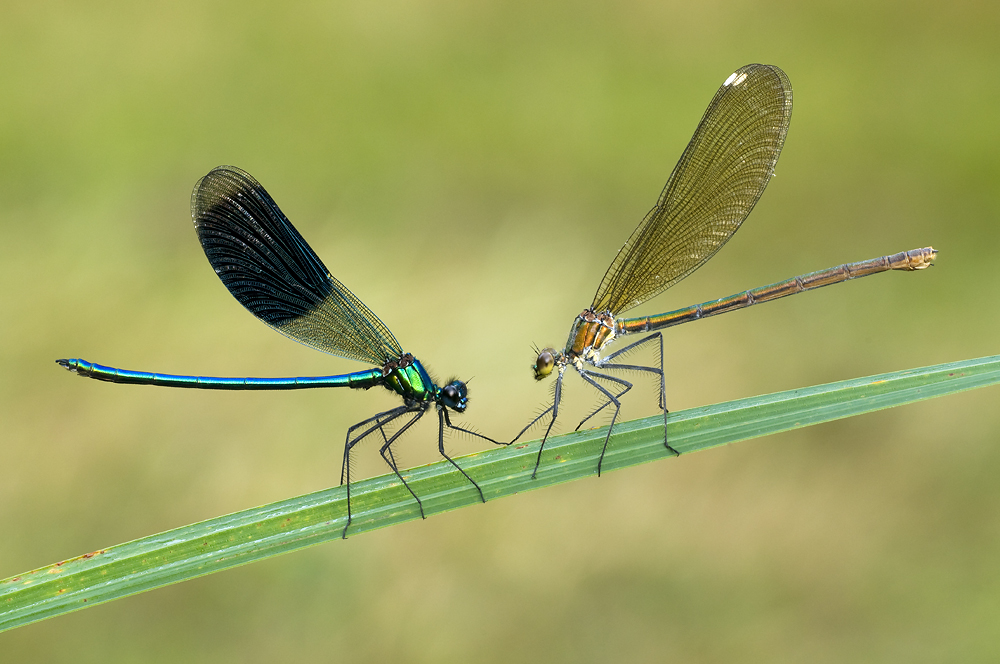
453,395
543,365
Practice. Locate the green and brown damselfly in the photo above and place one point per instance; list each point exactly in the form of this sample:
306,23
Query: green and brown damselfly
718,180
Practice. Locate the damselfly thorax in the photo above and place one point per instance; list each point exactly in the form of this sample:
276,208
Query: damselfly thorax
590,333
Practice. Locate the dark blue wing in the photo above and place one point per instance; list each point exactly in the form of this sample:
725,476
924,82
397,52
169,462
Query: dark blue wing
271,271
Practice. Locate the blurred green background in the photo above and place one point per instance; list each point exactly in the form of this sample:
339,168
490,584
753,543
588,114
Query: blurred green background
469,169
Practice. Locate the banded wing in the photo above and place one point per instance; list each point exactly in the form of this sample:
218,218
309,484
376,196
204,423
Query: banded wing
711,190
271,271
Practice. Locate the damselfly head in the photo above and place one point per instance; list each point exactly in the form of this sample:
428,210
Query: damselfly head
455,395
545,362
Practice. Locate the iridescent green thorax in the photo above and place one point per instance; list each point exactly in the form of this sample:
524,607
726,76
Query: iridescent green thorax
408,378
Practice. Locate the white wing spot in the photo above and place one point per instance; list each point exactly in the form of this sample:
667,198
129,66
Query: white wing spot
740,79
729,80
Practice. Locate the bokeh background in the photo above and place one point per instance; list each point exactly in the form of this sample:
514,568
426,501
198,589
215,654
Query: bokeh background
469,169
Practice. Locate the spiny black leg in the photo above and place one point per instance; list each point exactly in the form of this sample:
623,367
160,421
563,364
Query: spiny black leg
442,420
631,346
554,409
394,465
345,468
548,429
392,462
663,398
607,364
448,423
390,415
532,423
628,386
589,377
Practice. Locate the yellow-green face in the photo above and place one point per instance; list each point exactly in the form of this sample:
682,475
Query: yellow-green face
545,362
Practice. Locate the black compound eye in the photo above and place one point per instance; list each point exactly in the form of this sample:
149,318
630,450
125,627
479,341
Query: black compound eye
453,395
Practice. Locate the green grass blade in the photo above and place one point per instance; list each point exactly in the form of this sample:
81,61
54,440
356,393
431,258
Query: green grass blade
255,534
